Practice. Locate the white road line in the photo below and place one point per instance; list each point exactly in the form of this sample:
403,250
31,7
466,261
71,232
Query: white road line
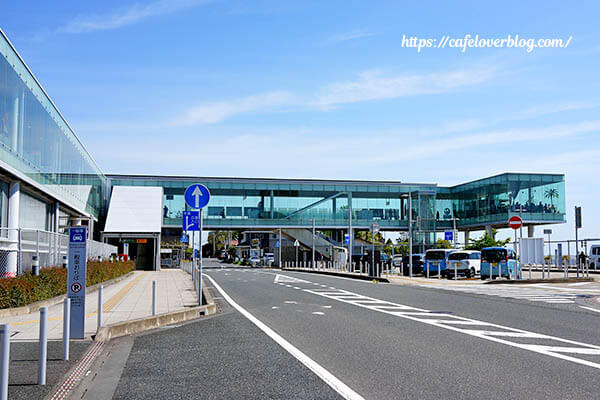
589,308
344,390
457,323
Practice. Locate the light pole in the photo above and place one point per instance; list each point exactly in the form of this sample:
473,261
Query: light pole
313,243
410,235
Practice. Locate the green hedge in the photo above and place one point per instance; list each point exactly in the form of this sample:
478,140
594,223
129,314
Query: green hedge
51,282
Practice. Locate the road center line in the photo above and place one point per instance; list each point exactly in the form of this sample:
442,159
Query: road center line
344,390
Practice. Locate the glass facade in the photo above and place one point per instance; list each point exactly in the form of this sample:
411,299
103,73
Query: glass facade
269,203
36,141
239,202
537,198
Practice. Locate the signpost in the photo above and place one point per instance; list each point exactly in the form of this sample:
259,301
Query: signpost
191,221
184,238
197,196
515,222
449,236
76,280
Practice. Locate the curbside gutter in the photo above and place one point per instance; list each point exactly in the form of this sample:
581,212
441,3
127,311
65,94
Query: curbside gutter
33,307
124,328
342,274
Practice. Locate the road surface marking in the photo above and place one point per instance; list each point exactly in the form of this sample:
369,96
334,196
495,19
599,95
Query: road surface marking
318,313
589,308
344,390
500,334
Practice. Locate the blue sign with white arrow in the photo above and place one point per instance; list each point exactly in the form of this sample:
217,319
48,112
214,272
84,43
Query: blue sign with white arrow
449,236
191,221
197,196
184,238
346,239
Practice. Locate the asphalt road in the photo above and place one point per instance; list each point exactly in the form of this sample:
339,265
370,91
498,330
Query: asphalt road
381,341
383,355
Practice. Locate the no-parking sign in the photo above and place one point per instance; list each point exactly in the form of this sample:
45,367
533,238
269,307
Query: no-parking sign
76,280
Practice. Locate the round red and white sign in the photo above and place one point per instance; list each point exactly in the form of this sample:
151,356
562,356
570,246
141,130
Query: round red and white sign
76,287
515,222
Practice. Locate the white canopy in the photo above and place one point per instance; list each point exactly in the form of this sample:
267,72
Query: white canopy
135,209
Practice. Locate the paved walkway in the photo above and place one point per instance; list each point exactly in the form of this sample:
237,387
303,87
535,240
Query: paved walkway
122,301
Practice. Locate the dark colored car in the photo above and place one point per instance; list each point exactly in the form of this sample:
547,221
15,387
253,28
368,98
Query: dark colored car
417,268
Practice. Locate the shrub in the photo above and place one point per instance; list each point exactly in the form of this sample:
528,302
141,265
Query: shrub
51,282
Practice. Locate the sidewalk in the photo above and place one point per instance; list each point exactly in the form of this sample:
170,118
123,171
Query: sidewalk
126,300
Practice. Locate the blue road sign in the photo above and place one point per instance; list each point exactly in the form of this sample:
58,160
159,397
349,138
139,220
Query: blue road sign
346,239
191,221
76,280
197,196
449,236
277,245
184,238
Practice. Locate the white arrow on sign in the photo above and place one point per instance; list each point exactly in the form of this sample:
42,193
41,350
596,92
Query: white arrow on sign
197,193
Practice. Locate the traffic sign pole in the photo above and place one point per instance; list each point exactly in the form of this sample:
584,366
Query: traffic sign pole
200,262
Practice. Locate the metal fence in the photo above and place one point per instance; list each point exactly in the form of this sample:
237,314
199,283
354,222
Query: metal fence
19,246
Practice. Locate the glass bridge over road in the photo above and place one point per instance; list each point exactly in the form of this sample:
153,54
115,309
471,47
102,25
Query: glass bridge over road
243,203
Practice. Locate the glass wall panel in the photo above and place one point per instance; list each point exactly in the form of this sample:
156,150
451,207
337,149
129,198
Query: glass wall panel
36,141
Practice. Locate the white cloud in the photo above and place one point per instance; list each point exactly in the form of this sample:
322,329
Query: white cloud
211,113
372,85
127,16
356,34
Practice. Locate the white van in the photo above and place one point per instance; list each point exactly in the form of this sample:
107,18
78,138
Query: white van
466,262
595,257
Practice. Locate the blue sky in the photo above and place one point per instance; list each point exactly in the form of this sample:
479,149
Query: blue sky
323,89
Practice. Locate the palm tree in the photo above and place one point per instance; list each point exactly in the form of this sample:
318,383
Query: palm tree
551,194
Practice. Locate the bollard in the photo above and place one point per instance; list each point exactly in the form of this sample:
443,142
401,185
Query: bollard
100,306
43,345
440,270
428,265
153,297
65,261
66,327
455,272
100,258
4,358
529,271
35,266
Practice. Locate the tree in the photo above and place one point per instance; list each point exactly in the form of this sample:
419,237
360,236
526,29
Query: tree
443,244
551,194
485,241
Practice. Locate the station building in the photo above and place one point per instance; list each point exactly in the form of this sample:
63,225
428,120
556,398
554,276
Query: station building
49,181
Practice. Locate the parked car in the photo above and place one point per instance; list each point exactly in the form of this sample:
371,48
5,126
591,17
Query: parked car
499,261
269,258
595,257
436,260
418,262
464,262
254,261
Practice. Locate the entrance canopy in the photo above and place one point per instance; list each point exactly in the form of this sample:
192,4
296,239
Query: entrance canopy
135,209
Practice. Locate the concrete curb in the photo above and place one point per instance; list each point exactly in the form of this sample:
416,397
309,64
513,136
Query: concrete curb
342,274
33,307
108,332
530,281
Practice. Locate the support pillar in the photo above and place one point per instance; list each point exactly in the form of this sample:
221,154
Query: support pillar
530,231
14,203
490,231
467,237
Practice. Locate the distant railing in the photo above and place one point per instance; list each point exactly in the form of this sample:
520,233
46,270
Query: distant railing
20,245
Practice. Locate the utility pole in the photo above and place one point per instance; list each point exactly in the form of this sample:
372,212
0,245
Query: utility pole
410,236
313,243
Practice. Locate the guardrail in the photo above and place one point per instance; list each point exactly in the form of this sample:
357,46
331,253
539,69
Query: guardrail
20,246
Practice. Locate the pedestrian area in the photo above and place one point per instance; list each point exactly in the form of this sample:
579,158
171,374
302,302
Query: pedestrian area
126,300
567,293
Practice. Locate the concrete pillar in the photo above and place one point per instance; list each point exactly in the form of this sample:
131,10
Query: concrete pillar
490,231
14,203
467,237
530,231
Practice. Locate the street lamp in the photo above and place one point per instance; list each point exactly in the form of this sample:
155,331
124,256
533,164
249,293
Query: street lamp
410,236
